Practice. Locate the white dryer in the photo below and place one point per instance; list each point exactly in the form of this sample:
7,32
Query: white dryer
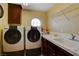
33,41
13,40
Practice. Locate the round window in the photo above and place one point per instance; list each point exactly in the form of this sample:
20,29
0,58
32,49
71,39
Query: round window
35,22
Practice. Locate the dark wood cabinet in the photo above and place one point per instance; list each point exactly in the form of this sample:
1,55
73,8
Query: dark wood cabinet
62,52
44,47
14,14
50,49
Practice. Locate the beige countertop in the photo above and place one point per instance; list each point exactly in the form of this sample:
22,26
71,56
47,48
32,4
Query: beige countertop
70,46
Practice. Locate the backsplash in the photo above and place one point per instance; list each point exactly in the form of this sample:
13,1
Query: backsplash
63,35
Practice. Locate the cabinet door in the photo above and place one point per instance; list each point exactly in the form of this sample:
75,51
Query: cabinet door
44,47
51,52
51,49
62,52
72,12
14,14
57,24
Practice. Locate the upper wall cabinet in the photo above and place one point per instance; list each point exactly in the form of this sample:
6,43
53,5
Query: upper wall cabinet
14,14
67,20
72,12
60,24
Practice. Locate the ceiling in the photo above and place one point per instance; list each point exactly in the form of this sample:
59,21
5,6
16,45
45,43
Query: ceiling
38,6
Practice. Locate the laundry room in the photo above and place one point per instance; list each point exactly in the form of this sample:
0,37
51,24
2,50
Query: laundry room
39,29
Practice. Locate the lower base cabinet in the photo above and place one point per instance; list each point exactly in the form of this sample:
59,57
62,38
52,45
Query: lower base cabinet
50,49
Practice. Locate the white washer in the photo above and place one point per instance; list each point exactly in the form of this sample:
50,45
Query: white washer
11,43
30,44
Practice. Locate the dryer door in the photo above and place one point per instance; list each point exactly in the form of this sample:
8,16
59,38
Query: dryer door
12,36
33,35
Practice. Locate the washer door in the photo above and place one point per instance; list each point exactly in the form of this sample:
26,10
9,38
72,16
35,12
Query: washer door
33,35
12,36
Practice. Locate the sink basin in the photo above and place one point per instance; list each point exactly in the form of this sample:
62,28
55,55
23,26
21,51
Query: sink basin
70,43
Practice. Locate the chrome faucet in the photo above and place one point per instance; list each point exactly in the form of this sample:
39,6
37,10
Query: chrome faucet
73,37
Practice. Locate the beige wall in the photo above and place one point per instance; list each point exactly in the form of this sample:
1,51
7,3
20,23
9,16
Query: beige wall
28,15
3,20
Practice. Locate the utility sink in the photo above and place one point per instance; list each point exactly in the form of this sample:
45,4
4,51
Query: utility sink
74,45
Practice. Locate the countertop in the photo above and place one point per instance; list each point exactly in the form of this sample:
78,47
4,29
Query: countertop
68,45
